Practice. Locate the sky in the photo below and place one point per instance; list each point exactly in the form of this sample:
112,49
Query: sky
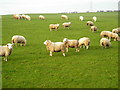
55,6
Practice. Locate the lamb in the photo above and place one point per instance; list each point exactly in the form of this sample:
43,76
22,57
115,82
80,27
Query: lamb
54,26
84,41
19,39
41,17
64,17
93,28
105,42
81,18
71,44
90,23
6,50
116,30
66,24
94,19
55,47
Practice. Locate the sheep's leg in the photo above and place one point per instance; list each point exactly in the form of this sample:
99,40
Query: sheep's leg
20,44
114,39
77,50
63,54
50,29
66,49
50,53
5,58
87,47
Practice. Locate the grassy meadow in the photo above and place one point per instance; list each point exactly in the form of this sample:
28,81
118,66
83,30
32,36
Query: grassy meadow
31,66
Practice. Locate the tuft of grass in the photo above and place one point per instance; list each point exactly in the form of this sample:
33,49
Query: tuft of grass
32,67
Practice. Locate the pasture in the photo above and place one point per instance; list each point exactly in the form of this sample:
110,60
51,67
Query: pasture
31,66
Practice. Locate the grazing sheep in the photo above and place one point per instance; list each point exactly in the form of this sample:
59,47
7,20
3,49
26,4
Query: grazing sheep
94,19
116,30
71,44
41,17
93,28
6,50
105,42
27,17
81,18
66,24
55,47
19,39
17,16
23,16
54,26
90,23
84,41
105,34
114,36
64,17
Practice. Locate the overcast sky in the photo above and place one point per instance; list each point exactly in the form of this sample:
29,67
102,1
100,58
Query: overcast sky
55,6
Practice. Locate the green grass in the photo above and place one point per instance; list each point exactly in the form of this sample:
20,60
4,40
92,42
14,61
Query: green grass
32,67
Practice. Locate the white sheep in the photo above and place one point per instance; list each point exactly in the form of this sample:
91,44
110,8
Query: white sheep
19,39
93,28
6,50
27,17
84,41
71,44
64,17
41,17
90,23
55,47
23,16
105,34
105,42
116,30
66,24
81,18
17,16
114,36
94,19
54,26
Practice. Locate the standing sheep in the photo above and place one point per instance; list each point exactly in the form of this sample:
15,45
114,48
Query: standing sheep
64,17
114,36
55,47
93,28
116,30
17,16
84,41
105,42
105,34
54,26
71,44
27,17
66,24
5,51
81,18
41,17
94,19
19,39
90,23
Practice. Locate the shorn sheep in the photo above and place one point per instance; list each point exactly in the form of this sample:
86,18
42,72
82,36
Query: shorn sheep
66,24
90,23
116,30
93,28
64,17
84,42
71,44
6,50
54,26
94,19
41,17
81,18
105,42
55,47
19,39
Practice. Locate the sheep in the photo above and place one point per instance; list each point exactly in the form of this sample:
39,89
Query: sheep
71,44
84,41
90,23
55,47
23,16
16,16
116,30
66,24
6,50
41,17
94,19
64,17
81,18
27,17
105,34
105,42
93,28
54,26
19,39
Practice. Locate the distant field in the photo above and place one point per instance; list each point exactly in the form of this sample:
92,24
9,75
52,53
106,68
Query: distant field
32,67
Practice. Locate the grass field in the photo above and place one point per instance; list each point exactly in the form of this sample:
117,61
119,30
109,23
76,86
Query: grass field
32,67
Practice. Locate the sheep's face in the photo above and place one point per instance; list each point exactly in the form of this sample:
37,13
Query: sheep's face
65,39
10,46
47,42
